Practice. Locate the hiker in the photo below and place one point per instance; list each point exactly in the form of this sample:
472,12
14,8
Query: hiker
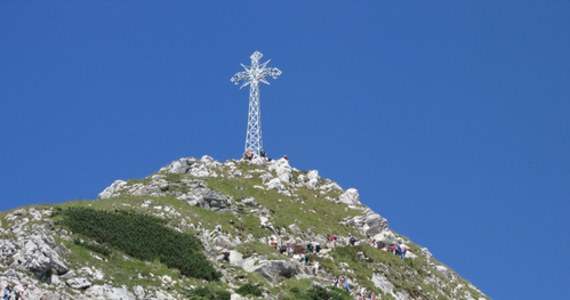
283,248
337,283
393,249
273,242
352,240
403,251
310,247
317,247
316,268
226,255
248,154
371,296
342,280
332,240
8,292
305,259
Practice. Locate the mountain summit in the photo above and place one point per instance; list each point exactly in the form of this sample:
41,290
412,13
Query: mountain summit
202,229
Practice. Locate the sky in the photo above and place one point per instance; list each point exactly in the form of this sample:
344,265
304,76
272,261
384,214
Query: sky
451,118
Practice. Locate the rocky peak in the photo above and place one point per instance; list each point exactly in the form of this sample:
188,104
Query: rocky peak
242,212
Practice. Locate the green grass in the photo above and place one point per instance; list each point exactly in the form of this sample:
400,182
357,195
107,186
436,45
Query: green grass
249,289
247,249
406,275
309,211
317,292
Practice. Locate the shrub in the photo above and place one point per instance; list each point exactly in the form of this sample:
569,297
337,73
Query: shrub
143,237
93,246
317,292
208,293
249,289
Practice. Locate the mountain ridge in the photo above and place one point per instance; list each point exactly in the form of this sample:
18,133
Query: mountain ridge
236,209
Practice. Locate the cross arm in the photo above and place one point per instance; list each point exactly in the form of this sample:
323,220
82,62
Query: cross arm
240,77
273,72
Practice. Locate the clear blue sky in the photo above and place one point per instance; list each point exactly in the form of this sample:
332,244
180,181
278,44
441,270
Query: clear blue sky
450,117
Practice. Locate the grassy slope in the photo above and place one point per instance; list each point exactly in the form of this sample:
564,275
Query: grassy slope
309,210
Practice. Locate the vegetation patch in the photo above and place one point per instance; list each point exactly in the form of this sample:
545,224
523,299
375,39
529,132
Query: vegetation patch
249,289
307,210
249,248
317,292
93,246
209,293
141,236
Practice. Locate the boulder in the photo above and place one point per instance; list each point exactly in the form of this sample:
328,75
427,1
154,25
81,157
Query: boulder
387,237
249,201
331,186
113,190
258,161
374,224
206,198
78,283
443,270
313,178
294,228
275,184
382,283
108,292
282,169
236,259
38,254
224,242
350,197
139,292
271,269
181,166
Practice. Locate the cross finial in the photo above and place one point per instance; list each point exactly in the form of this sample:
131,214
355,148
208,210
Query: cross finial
256,72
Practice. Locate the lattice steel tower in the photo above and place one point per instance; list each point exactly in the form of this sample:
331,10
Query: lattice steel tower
252,76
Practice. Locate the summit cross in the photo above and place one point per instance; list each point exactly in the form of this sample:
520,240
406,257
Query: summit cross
252,76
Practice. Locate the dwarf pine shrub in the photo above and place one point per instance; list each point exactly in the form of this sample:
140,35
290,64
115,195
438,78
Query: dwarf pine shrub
249,289
141,236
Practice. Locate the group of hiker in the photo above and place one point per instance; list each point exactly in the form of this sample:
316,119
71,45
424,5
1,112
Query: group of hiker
12,292
341,282
399,250
250,155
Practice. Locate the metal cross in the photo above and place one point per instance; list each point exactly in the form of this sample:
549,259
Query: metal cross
252,76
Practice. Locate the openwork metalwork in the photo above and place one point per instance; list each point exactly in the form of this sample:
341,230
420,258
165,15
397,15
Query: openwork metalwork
252,76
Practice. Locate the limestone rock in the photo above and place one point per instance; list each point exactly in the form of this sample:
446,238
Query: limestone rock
313,178
368,224
224,242
139,292
38,253
282,169
443,270
275,184
78,283
108,292
350,197
271,269
249,201
381,282
236,259
112,190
